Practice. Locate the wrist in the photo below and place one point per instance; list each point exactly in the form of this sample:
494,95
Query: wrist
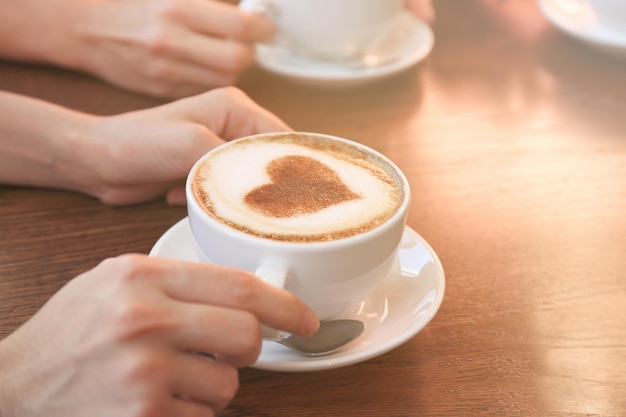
53,152
76,161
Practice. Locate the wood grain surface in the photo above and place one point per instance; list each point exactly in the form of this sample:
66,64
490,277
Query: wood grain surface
513,138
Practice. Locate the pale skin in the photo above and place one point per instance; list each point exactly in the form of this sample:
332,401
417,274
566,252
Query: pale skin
423,9
122,340
165,48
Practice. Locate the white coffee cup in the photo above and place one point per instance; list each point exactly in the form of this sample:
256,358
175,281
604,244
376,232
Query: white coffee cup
329,29
329,262
610,12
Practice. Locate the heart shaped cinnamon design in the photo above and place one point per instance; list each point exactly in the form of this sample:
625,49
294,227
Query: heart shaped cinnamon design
300,185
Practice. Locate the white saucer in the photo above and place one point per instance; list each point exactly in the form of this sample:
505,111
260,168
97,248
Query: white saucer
579,21
411,41
402,306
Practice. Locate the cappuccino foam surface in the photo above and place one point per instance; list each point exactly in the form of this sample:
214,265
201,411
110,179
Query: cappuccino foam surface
296,187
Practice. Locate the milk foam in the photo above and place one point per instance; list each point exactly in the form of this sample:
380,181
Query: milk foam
224,180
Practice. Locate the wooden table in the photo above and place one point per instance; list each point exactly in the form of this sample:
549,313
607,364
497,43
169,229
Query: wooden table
513,137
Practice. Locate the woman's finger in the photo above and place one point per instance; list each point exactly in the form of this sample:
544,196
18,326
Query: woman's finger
216,329
203,380
196,282
226,21
228,112
183,407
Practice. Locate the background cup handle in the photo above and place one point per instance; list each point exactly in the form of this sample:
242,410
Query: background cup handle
276,275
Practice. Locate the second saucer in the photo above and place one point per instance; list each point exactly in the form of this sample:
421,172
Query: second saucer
582,24
409,43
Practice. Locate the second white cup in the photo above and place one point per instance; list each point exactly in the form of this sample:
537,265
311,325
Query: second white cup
329,29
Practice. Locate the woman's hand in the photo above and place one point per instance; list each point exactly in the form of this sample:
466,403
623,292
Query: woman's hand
149,152
127,158
166,48
122,340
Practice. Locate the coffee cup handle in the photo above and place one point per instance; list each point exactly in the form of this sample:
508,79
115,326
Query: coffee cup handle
275,275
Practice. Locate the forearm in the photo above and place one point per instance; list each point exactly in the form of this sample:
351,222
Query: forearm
13,373
41,30
45,145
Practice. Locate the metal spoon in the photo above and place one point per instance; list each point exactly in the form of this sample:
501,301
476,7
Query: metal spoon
331,336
